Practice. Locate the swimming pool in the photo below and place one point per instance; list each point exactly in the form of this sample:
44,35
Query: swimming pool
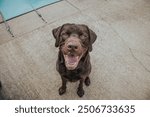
14,8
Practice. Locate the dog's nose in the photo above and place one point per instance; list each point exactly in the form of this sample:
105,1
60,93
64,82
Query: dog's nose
72,46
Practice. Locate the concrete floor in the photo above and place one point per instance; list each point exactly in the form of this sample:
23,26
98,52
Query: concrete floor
120,57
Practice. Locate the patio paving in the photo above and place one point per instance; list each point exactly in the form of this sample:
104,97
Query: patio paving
120,57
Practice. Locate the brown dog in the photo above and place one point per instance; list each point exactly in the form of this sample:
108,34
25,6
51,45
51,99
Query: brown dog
73,64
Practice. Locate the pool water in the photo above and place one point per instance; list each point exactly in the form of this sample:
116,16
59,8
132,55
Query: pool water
13,8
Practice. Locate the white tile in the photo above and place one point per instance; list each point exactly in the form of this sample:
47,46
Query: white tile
84,4
57,11
4,34
25,23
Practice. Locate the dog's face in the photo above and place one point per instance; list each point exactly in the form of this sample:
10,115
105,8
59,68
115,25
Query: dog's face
74,41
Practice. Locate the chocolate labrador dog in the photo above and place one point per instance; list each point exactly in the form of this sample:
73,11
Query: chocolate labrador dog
73,63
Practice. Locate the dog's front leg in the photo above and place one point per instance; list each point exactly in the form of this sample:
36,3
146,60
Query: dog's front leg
87,81
62,89
80,90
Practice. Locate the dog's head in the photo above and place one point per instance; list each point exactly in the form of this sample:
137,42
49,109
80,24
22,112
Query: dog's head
73,40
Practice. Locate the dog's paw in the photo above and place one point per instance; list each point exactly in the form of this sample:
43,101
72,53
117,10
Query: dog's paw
62,90
80,92
87,81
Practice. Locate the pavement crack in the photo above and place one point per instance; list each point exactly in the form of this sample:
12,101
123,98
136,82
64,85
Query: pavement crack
138,60
130,50
73,5
147,54
40,16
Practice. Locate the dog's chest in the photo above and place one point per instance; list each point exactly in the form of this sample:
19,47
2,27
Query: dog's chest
73,75
70,75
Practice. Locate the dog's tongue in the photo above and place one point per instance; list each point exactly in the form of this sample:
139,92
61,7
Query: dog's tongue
72,60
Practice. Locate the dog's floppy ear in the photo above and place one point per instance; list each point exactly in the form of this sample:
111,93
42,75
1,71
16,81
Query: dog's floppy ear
56,33
92,37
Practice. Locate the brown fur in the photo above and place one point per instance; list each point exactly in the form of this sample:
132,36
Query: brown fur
73,63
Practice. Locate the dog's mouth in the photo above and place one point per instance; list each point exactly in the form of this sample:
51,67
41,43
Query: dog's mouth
72,62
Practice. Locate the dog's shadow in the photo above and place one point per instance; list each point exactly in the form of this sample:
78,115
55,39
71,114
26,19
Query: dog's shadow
2,97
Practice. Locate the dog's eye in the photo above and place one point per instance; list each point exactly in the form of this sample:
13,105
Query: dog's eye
64,35
83,36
